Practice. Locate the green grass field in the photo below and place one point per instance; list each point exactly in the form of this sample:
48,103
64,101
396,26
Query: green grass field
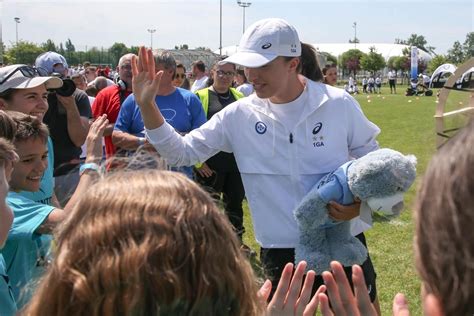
407,125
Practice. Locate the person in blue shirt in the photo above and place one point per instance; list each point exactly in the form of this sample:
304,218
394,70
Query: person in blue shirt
25,250
8,157
181,109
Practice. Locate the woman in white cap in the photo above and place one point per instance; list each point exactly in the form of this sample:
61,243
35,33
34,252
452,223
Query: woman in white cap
285,137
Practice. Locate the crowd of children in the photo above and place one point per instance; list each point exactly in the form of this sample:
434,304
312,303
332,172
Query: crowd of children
153,242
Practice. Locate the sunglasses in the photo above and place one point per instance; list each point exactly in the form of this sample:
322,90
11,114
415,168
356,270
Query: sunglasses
182,76
26,71
221,73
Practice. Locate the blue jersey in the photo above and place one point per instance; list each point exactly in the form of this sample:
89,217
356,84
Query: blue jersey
181,109
23,248
334,187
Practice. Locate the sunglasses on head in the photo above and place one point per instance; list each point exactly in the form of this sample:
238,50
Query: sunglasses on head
26,71
182,76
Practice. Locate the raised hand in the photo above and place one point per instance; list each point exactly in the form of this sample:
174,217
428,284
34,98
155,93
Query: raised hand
290,297
343,301
94,139
145,80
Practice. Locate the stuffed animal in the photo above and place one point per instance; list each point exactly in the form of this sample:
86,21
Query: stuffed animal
377,179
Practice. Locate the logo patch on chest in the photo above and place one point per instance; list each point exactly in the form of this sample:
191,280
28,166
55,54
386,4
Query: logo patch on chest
260,127
317,139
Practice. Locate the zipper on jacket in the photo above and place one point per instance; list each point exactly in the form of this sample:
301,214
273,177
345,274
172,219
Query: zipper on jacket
291,138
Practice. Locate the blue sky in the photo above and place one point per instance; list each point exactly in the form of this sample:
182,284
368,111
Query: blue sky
196,22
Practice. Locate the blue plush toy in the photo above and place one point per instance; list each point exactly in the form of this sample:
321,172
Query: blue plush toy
377,179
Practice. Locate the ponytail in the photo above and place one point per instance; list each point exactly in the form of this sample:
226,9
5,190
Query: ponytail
309,63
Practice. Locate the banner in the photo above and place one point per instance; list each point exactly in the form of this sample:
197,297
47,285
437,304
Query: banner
414,62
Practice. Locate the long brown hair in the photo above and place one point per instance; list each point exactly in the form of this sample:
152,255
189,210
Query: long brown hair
147,243
444,243
309,65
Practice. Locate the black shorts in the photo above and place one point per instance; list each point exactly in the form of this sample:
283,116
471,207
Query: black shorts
391,82
275,259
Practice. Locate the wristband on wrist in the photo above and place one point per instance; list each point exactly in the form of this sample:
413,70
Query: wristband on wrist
89,166
141,141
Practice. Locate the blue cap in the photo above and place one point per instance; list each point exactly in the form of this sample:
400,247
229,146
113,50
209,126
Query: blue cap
48,60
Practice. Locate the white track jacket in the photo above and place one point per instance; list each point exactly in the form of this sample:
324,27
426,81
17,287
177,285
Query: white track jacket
278,166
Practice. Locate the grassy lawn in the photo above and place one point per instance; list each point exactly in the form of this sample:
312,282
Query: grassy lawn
407,125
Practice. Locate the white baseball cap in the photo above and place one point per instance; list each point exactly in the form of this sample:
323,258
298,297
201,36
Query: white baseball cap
25,77
264,41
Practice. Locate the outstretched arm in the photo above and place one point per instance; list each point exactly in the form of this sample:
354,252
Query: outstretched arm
94,155
145,87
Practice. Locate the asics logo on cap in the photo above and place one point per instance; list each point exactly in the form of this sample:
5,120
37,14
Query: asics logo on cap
266,46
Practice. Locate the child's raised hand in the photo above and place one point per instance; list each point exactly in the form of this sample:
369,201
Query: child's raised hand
292,296
94,139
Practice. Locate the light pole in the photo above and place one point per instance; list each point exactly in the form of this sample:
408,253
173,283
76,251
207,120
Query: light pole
151,31
355,34
17,21
220,27
243,5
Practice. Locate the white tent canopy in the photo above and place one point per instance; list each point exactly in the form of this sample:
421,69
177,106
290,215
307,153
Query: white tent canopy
439,73
467,73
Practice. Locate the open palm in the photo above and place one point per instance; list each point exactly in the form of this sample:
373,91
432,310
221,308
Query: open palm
145,80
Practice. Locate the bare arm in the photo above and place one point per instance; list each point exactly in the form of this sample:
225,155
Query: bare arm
94,155
77,126
125,140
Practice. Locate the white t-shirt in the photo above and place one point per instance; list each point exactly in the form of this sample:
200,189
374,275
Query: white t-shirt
246,89
199,84
290,113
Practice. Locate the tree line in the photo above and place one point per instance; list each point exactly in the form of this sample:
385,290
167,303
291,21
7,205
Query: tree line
354,60
351,62
25,52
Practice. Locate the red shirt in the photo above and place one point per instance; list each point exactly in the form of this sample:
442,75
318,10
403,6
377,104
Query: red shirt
108,102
